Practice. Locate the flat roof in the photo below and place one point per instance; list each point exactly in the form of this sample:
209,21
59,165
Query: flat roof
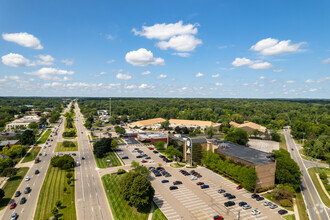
248,154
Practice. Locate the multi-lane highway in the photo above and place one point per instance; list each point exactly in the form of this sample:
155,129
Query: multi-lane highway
27,210
91,201
315,207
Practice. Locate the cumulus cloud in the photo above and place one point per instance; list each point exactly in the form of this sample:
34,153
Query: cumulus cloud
146,86
143,57
15,60
180,43
130,86
48,73
278,71
219,84
290,81
182,54
323,79
24,39
261,77
271,46
123,76
312,90
101,74
309,81
146,72
45,60
68,62
162,76
252,64
199,75
165,31
326,61
216,76
111,61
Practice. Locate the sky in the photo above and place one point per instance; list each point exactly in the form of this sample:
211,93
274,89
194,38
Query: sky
165,48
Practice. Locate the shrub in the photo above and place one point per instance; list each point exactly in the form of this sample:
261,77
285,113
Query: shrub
286,203
323,175
68,144
121,171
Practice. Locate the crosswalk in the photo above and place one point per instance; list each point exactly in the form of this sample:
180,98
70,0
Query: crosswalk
167,210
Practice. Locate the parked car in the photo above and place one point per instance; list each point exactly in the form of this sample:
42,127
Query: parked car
254,196
267,203
173,187
22,201
242,203
13,216
193,178
177,182
260,198
139,156
245,207
13,205
218,217
27,178
148,158
17,194
282,212
155,152
231,197
74,154
229,203
27,190
124,157
199,183
273,206
205,186
255,212
221,191
165,181
226,194
239,187
83,158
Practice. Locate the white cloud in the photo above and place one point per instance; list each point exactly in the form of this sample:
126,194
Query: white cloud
146,86
219,84
278,71
182,54
101,74
111,61
68,62
309,81
252,64
48,73
123,76
15,60
312,90
260,65
23,39
165,31
45,60
199,75
143,57
273,80
112,85
217,62
110,37
242,62
184,88
261,77
146,72
290,81
326,61
323,79
216,76
180,43
130,86
271,46
162,76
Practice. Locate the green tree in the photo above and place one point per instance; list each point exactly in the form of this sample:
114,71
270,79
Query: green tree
2,193
124,118
114,144
58,204
165,125
99,123
68,144
102,146
69,175
210,131
237,135
9,172
28,137
5,163
33,125
88,124
120,130
35,131
142,170
275,136
55,212
159,145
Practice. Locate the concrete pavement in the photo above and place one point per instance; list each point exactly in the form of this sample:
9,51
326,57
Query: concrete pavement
315,207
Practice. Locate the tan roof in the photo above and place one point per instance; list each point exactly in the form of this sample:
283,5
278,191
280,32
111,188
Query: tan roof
191,122
249,125
148,122
232,123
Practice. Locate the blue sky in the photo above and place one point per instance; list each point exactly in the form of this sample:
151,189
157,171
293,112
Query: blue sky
221,49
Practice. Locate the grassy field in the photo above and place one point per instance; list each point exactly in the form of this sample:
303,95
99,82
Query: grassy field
61,148
32,154
44,137
53,190
119,207
312,172
289,217
301,207
283,142
270,196
102,162
11,186
158,215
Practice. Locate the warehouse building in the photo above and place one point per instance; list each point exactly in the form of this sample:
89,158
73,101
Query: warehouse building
152,137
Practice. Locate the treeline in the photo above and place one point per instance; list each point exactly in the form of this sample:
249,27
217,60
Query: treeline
246,176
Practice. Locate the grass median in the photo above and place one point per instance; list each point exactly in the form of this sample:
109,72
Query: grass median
289,217
283,142
44,137
119,207
32,154
158,214
61,148
103,163
301,207
325,199
53,190
11,186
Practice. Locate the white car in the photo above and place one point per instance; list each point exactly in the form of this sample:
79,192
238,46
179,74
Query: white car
255,212
245,207
193,178
27,178
45,154
151,161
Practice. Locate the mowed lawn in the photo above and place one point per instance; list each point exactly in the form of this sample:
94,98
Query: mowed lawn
61,148
32,154
119,207
44,137
102,162
312,172
11,186
53,190
158,214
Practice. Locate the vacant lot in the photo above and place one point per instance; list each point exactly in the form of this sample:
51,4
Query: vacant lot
119,207
61,148
263,145
103,163
11,186
31,155
53,190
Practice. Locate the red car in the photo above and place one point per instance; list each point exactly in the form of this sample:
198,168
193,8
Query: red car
151,148
35,145
217,217
13,205
199,183
239,187
144,161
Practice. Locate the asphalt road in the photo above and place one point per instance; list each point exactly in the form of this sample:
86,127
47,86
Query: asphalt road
91,201
315,207
27,210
